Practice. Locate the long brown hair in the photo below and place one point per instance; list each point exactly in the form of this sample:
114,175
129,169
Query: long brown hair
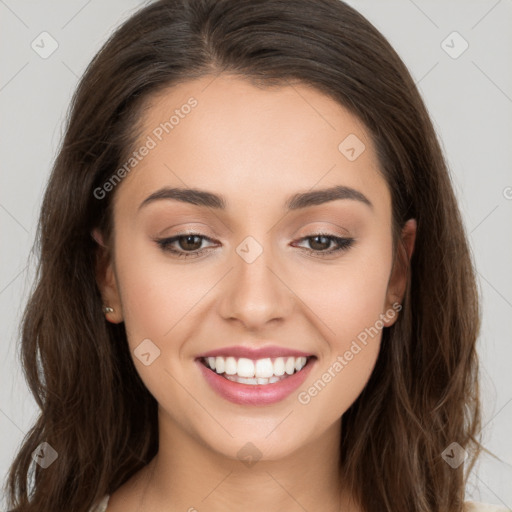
95,411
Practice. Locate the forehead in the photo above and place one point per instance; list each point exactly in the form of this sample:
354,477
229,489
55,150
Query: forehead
251,144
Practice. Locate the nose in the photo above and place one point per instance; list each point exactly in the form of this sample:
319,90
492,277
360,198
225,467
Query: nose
255,292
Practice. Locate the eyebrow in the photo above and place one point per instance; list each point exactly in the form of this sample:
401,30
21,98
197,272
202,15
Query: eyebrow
295,202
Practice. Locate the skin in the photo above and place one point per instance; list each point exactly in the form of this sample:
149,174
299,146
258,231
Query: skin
256,147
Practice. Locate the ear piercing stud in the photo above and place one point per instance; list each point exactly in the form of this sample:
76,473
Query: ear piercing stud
107,309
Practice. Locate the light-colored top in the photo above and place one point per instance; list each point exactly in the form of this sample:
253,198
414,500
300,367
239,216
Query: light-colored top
469,506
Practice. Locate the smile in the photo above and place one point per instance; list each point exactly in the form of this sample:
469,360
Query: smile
264,381
259,372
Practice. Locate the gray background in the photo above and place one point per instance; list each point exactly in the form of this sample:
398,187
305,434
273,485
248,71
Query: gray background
469,99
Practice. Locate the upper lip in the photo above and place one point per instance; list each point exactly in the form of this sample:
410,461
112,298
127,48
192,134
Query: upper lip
269,351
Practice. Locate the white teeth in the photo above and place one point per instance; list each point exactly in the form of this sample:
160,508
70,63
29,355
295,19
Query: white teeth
245,367
299,363
219,364
254,381
290,365
260,371
279,366
230,366
264,368
242,380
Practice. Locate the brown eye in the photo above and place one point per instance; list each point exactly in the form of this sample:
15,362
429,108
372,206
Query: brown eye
187,245
190,242
319,244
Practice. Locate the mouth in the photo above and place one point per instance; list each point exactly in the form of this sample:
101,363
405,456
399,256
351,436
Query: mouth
262,382
260,372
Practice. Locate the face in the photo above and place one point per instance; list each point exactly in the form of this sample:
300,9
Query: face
264,267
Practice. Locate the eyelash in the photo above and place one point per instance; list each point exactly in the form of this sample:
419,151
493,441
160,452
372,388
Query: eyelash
164,243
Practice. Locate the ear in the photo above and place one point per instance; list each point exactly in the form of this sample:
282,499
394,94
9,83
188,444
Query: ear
400,272
106,279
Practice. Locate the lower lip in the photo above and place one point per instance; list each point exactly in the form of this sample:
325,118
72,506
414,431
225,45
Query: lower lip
255,394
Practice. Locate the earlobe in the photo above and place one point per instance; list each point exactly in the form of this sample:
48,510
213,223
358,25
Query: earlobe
397,284
98,237
409,237
106,281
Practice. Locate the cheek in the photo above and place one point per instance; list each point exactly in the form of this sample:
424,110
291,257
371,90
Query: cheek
351,311
159,302
350,296
157,297
352,315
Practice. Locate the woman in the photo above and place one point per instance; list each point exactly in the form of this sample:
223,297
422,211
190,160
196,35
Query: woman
255,288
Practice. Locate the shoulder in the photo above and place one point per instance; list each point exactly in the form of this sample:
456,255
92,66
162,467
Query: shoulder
101,506
473,506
